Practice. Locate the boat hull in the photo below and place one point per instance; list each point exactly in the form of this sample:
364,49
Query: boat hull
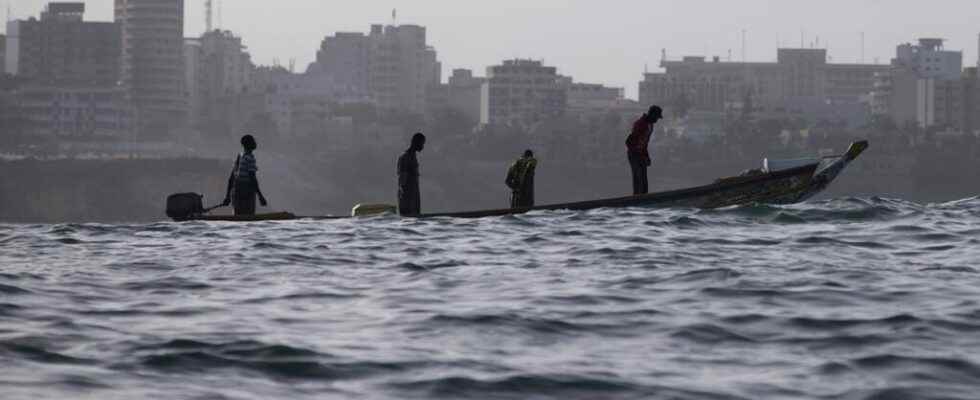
782,187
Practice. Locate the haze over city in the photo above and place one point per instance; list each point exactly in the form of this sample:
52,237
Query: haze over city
594,41
503,199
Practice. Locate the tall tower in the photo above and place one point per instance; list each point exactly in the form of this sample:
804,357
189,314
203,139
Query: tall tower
152,57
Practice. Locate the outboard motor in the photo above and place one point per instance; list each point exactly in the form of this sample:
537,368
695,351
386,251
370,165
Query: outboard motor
182,206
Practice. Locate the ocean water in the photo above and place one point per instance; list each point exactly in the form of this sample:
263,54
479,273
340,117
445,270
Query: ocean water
855,298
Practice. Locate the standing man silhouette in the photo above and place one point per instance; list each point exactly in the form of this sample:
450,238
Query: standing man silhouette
520,180
409,196
637,151
243,184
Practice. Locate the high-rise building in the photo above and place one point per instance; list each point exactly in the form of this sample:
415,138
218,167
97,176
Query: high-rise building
929,59
3,54
465,93
228,65
69,69
218,67
923,85
393,64
153,57
62,49
346,57
971,101
194,80
521,92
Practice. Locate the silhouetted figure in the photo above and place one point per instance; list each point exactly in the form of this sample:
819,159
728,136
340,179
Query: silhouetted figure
520,180
409,197
243,185
636,148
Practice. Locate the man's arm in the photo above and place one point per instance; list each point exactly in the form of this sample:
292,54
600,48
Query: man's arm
646,144
255,180
633,141
231,183
511,180
402,171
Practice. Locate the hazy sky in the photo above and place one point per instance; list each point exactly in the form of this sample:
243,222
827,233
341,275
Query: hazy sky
605,41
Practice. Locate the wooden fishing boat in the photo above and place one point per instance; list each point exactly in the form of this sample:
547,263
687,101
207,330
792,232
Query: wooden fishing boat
785,186
802,180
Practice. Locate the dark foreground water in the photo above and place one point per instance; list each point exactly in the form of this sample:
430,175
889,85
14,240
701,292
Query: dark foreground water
842,299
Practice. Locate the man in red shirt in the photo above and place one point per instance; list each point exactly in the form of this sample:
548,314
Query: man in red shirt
636,148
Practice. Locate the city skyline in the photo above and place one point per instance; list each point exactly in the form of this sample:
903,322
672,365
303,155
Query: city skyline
471,37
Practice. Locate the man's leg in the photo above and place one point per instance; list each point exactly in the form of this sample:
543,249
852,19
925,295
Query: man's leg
243,199
404,204
635,167
417,199
644,183
523,198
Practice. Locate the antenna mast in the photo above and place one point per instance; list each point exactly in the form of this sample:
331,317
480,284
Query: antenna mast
208,15
862,47
743,45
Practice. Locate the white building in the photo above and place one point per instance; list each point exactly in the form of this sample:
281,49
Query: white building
520,93
923,86
929,59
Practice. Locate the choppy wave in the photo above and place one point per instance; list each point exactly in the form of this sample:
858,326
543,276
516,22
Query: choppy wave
851,298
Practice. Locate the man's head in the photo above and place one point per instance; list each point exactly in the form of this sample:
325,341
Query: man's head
418,141
248,142
654,114
528,154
